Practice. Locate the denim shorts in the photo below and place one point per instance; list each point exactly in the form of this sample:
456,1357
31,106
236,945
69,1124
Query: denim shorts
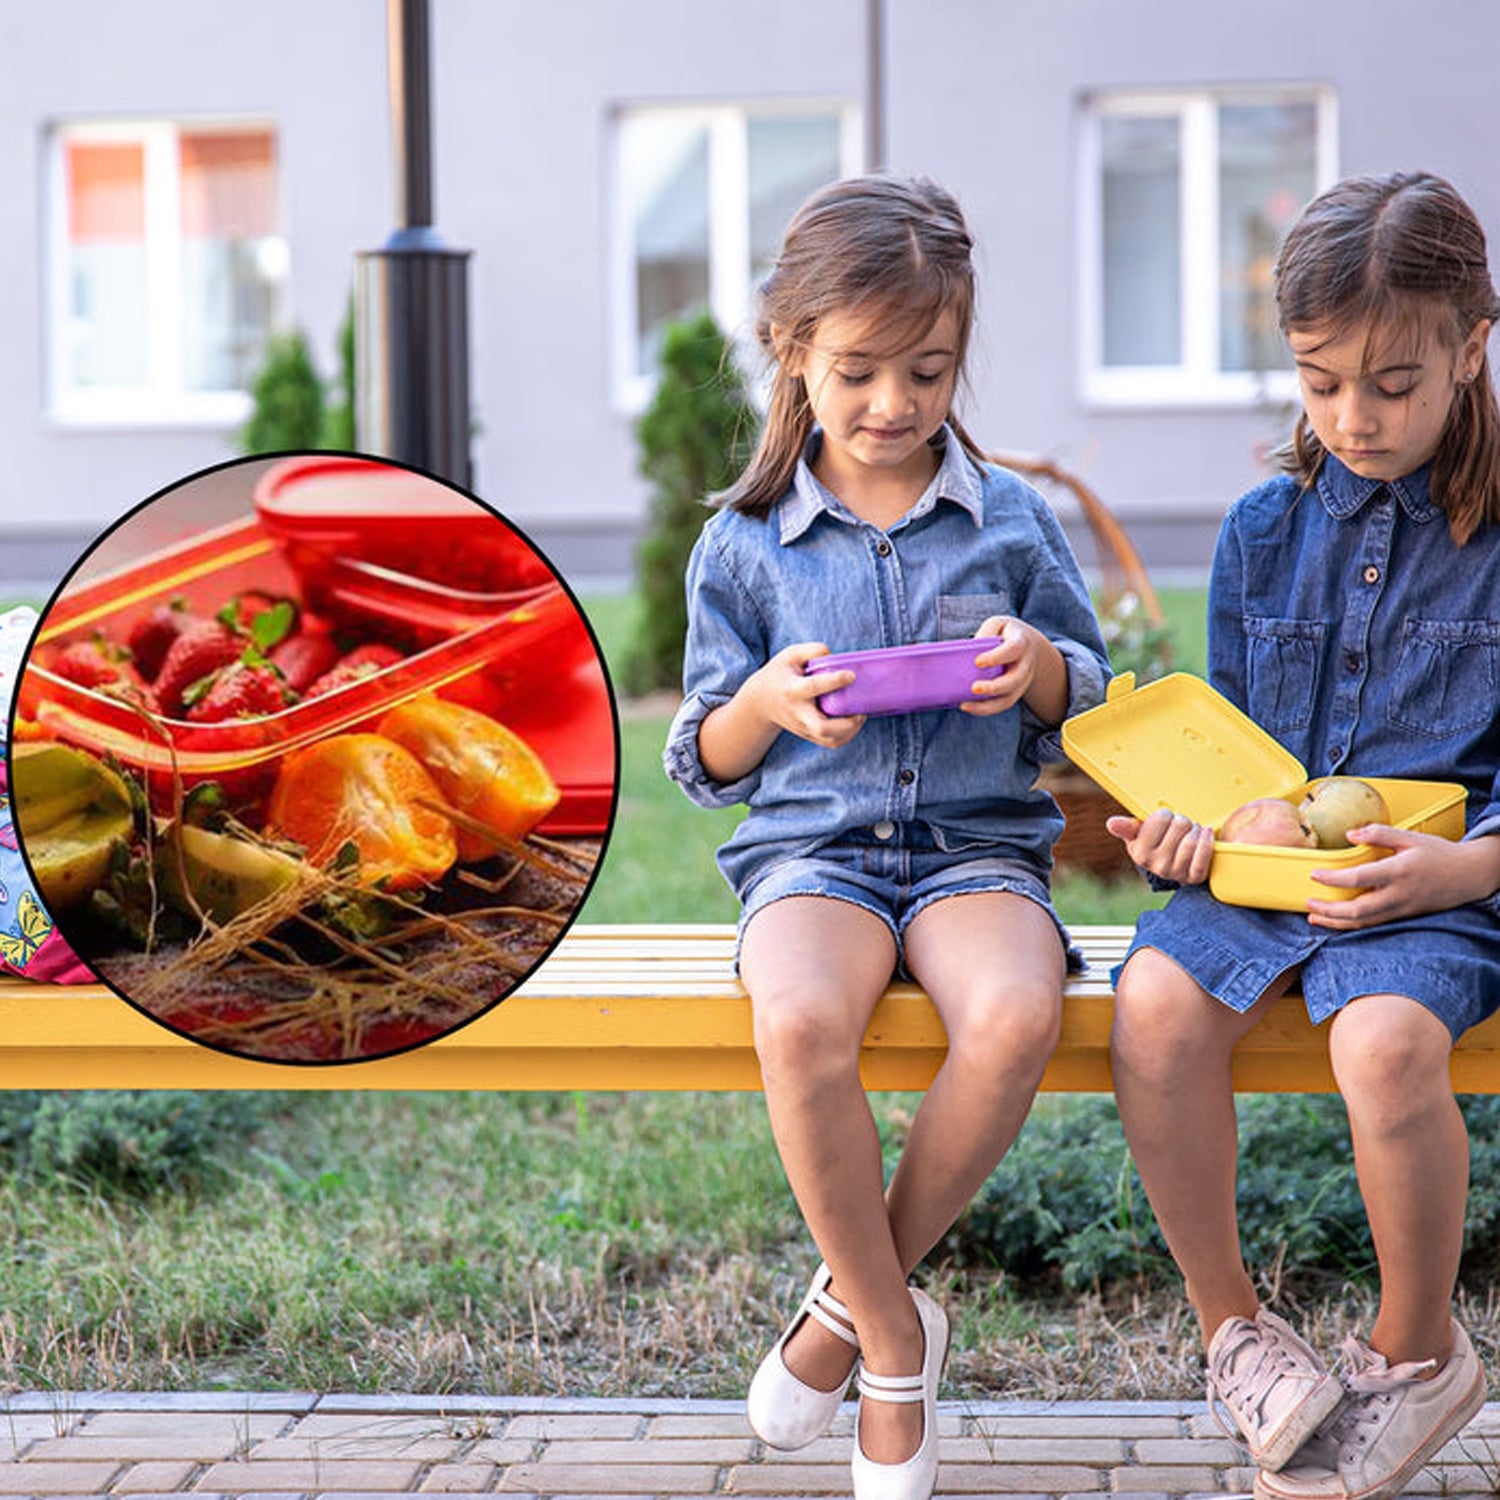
895,878
1447,961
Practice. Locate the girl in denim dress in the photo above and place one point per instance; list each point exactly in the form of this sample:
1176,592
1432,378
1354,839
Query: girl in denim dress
865,519
1354,612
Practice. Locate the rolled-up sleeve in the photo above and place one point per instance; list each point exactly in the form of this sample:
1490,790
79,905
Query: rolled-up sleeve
1057,603
726,642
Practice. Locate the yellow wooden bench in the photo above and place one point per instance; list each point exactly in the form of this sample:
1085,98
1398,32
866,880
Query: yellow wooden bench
631,1007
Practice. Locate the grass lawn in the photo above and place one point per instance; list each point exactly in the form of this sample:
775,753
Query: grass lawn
561,1243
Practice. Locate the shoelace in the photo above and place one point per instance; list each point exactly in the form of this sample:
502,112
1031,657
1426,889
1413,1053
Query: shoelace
1371,1382
1240,1390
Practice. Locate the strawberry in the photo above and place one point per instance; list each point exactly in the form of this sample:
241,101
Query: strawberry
355,666
94,663
151,636
266,618
198,652
241,690
305,657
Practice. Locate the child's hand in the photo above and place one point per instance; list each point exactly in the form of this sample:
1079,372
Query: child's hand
1169,845
1034,671
1423,873
788,698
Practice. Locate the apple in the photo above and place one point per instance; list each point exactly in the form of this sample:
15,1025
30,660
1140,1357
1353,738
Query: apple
1334,805
1267,820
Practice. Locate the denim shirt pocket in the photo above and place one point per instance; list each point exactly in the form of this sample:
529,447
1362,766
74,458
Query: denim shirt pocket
1445,676
960,615
1282,671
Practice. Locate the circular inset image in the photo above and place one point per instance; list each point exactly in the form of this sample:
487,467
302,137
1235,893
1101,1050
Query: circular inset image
313,759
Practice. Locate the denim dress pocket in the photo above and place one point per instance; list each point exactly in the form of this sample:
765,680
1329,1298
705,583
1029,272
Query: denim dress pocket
960,615
1282,671
1445,677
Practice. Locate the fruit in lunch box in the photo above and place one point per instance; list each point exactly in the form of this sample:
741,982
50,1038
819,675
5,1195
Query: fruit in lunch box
72,812
197,653
1335,804
1267,820
368,791
151,637
242,690
482,768
221,876
363,661
305,657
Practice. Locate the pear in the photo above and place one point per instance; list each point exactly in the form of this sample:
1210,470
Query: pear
1266,820
1335,804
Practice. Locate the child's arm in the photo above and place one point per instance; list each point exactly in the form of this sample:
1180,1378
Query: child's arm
1035,672
733,739
1423,873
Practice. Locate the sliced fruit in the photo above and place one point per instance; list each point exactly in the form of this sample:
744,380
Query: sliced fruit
368,791
219,875
72,811
482,768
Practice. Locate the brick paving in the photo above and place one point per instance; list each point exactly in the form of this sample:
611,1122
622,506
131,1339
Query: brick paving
261,1446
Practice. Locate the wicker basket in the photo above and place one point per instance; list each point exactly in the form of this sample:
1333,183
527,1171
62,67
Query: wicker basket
1085,843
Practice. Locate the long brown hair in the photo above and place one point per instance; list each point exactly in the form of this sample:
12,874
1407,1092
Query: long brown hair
888,249
1386,253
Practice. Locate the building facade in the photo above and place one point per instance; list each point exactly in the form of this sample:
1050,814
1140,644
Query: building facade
181,178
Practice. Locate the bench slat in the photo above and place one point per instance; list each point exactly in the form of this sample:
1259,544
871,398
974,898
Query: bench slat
644,1007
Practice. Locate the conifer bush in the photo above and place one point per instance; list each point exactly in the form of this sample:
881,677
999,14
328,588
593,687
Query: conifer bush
694,438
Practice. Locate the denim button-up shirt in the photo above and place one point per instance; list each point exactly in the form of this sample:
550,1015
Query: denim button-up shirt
979,542
1346,622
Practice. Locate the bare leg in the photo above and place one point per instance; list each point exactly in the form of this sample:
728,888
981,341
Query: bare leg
815,967
1170,1048
1411,1151
993,965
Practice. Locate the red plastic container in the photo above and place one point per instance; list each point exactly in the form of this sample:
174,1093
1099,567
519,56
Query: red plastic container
521,652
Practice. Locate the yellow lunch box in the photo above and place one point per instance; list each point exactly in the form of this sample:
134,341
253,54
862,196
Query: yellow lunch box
1178,743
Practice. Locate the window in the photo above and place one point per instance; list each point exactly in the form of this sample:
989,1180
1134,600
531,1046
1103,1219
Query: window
166,269
1186,200
702,197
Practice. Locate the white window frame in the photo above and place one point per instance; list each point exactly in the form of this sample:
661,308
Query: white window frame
162,401
729,290
1197,381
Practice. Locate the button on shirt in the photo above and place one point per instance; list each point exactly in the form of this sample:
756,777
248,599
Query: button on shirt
1347,623
979,542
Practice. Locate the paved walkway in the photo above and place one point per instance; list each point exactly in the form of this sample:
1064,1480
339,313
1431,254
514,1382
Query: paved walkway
275,1447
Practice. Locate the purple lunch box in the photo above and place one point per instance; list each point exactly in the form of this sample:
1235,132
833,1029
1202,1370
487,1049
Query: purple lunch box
906,679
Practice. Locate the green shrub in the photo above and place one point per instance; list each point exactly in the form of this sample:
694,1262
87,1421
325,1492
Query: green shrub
288,399
1066,1205
128,1142
694,439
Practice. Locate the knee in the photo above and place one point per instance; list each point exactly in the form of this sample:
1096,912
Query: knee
1390,1060
1012,1032
1155,1032
797,1035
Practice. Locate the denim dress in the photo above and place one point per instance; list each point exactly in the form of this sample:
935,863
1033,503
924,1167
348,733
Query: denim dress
1345,621
979,542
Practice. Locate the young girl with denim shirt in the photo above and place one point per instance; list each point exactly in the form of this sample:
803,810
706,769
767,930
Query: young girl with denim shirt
867,518
1354,613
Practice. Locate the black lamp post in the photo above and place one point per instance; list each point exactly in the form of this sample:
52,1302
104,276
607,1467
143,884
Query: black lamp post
411,330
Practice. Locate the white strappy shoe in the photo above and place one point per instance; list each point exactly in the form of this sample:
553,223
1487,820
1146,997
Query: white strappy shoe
786,1412
915,1477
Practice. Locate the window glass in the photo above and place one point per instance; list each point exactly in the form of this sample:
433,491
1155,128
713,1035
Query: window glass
230,255
1141,198
790,158
104,343
665,166
1267,171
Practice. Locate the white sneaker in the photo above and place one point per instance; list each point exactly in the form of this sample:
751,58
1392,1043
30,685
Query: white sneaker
1390,1423
1273,1384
